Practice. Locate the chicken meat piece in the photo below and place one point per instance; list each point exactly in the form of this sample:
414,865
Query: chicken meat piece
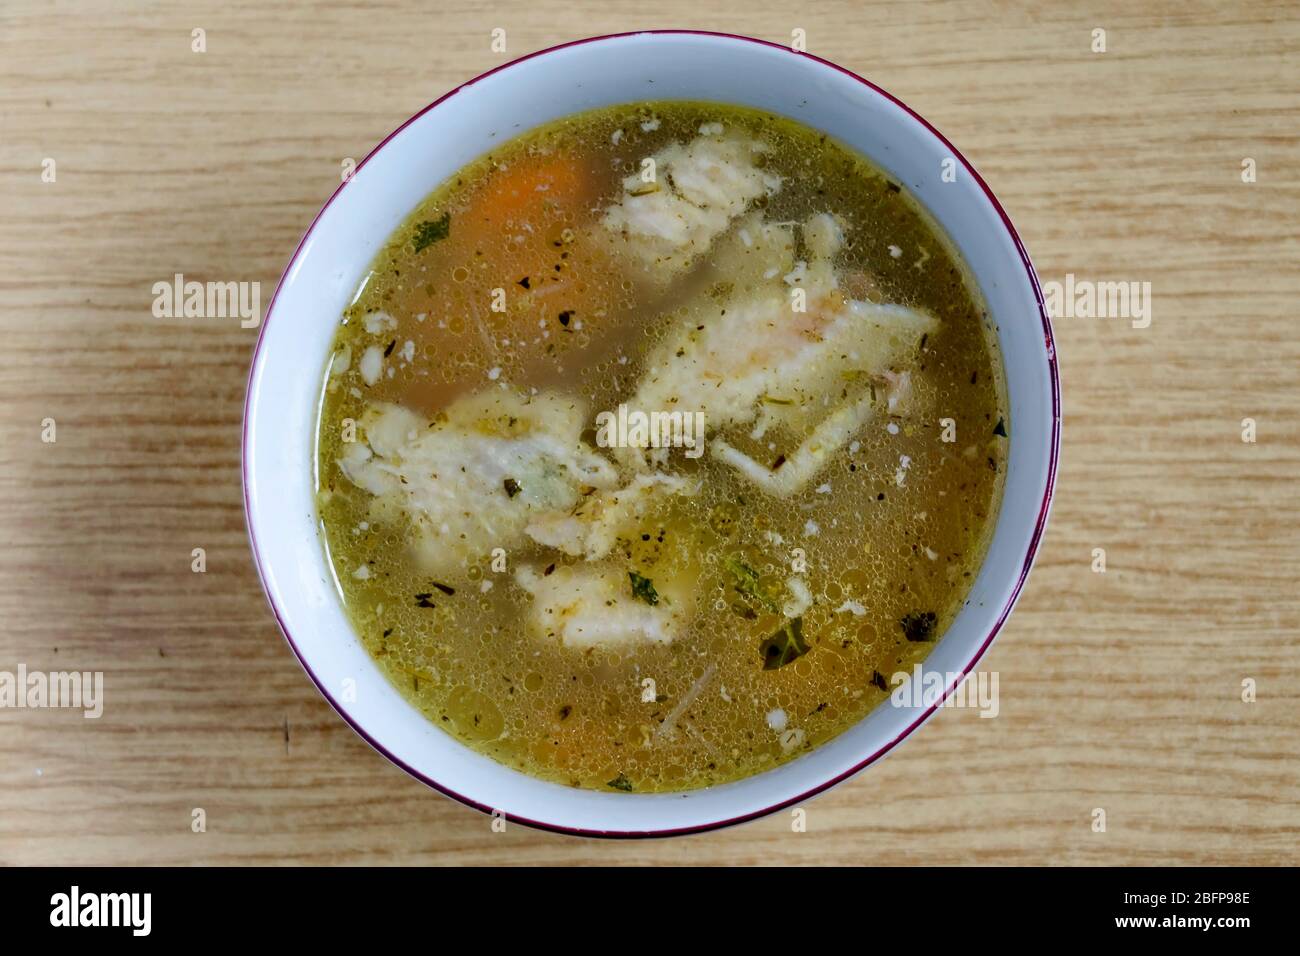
698,189
792,351
472,479
604,604
594,526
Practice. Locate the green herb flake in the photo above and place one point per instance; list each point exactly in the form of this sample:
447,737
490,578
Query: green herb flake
784,646
431,231
621,783
643,588
747,583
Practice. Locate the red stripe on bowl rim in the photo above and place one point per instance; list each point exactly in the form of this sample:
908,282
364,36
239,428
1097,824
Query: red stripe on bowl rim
1032,550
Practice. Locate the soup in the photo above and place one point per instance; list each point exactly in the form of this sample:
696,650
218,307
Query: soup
656,443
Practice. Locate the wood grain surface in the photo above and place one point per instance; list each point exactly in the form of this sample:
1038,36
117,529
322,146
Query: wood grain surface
1119,691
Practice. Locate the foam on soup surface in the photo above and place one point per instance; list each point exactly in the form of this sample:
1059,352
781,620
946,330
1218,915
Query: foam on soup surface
656,443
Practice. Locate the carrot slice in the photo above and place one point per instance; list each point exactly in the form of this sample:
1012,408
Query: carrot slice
528,187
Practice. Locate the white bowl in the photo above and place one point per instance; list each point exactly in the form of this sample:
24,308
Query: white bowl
285,386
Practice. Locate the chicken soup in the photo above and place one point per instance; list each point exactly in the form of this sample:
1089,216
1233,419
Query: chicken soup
656,443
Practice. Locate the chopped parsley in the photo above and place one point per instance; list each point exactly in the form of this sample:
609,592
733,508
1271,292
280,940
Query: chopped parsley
747,583
431,231
643,588
784,646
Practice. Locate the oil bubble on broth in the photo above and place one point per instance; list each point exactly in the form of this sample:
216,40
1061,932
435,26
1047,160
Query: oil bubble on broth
656,442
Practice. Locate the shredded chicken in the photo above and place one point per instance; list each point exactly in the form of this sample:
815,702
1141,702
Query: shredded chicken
667,728
473,479
697,190
594,604
595,525
757,359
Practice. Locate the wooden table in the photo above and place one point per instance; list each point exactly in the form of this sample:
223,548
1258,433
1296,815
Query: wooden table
1119,691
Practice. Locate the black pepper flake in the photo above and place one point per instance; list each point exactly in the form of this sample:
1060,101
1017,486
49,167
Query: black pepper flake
511,486
524,282
550,569
1000,428
878,680
389,351
565,316
445,588
424,599
919,625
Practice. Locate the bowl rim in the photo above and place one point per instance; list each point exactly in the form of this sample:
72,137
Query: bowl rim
1030,553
